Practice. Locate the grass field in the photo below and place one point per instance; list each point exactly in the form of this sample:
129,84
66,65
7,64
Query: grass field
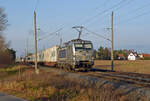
139,66
48,86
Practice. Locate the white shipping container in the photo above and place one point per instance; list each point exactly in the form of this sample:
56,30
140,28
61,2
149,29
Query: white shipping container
50,54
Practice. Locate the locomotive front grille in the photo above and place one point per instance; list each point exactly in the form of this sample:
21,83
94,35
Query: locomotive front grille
82,58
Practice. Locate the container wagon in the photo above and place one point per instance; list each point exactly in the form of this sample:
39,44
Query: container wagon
46,57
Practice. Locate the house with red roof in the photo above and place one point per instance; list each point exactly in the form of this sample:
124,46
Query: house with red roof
144,56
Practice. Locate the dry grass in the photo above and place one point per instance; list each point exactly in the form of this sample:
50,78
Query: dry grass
48,86
12,71
40,87
139,66
55,88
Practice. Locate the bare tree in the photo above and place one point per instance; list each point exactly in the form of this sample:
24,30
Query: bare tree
3,20
3,25
5,54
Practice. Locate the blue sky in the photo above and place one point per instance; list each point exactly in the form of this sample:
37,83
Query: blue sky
131,18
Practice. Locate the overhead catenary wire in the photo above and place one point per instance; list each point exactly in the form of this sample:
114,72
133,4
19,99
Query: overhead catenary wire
51,40
140,8
119,7
97,34
103,4
135,10
50,34
101,13
125,4
133,18
104,11
99,22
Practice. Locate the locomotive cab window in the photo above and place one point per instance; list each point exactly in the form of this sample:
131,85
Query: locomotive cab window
81,46
78,46
88,46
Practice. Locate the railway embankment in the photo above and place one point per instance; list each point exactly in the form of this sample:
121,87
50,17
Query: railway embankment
109,90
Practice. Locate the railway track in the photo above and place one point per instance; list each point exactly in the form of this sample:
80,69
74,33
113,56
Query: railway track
124,77
136,80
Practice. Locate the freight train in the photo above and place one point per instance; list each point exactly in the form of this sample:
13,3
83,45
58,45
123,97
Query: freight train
73,55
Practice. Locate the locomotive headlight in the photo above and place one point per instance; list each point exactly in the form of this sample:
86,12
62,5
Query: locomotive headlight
92,58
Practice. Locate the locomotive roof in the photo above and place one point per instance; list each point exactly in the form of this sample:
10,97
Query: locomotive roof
78,40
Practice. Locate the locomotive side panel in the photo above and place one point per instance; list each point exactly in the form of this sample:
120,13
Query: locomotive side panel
70,55
62,55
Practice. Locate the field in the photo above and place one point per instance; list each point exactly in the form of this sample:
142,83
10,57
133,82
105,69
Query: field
21,81
48,86
139,66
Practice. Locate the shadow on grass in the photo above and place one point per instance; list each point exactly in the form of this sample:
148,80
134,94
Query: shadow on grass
96,70
12,72
100,70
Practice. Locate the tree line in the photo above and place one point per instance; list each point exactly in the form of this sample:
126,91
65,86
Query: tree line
7,55
104,53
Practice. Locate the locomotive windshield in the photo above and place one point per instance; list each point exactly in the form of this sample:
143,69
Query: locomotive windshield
78,46
85,46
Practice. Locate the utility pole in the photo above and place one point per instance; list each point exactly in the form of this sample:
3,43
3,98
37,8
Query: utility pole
112,42
27,47
35,38
26,51
79,29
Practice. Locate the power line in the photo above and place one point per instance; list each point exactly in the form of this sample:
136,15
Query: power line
100,22
106,10
52,39
119,7
133,18
97,34
104,4
135,10
140,8
50,34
